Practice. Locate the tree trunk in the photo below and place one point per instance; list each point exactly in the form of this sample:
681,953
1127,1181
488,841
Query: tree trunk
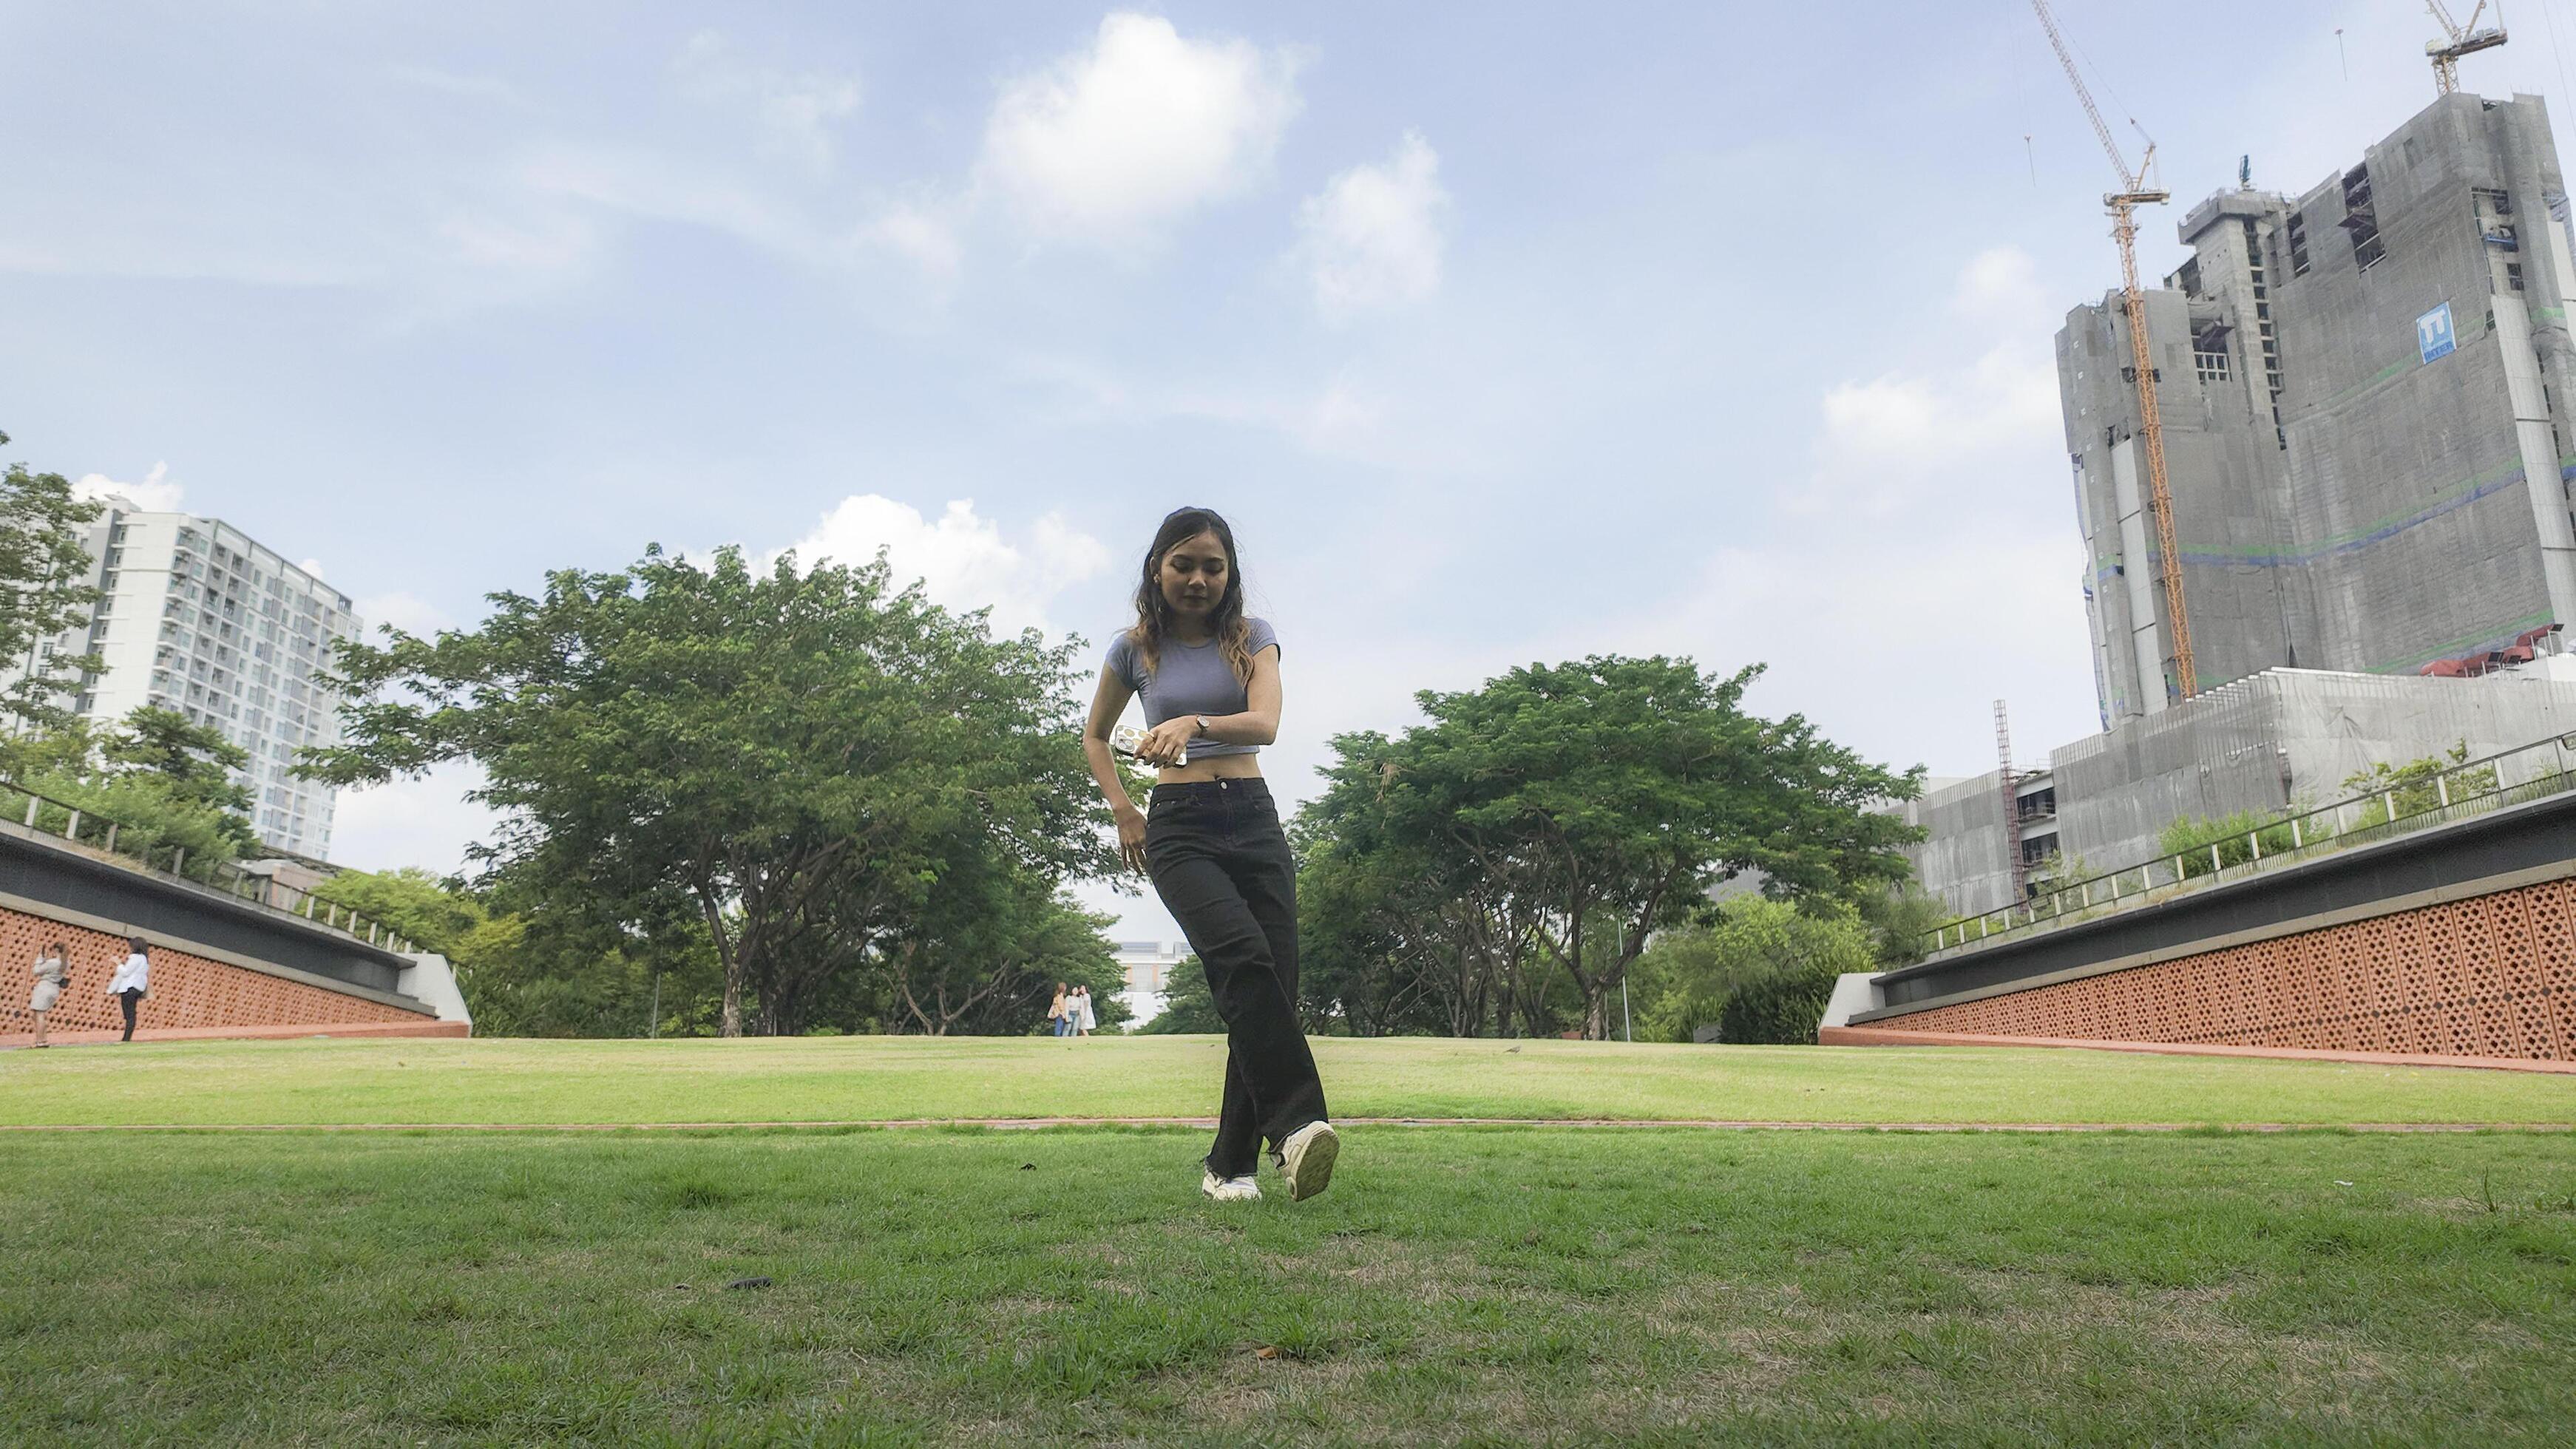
731,958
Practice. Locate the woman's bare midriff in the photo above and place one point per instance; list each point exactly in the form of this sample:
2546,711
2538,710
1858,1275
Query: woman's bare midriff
1214,767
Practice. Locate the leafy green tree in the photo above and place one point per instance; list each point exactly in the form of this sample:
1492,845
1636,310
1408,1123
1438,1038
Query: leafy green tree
172,805
1393,935
982,953
1782,1009
789,751
193,765
415,904
1594,803
557,972
170,834
64,748
1898,919
536,959
44,590
1691,978
1679,984
1188,1006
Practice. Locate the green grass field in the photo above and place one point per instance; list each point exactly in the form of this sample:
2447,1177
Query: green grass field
878,1078
1466,1285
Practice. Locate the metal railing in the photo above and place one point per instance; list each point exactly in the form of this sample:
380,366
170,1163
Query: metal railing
84,827
2397,807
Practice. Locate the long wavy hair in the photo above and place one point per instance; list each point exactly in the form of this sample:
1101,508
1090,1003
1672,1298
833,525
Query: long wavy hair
1226,622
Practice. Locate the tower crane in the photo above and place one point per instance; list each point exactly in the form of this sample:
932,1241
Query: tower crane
2123,204
2464,40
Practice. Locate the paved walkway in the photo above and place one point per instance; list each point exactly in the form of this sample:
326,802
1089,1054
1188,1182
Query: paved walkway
1025,1124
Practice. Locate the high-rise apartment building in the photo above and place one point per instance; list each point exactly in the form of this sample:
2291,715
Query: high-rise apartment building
199,618
2365,392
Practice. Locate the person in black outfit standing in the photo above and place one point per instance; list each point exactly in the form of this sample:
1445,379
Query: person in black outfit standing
1211,841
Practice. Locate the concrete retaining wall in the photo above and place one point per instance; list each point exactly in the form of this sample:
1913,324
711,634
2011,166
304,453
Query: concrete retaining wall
218,963
2457,942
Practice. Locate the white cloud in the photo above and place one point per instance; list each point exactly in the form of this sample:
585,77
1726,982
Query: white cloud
794,111
922,231
454,83
644,183
155,494
1911,436
1372,237
545,238
405,611
1108,144
2000,288
426,822
961,558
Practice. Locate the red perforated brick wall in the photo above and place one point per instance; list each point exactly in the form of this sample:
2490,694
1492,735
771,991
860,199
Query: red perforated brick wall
2492,976
187,991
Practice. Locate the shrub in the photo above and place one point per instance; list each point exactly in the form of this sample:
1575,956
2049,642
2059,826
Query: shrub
1899,919
2413,786
1750,971
1780,1009
2192,839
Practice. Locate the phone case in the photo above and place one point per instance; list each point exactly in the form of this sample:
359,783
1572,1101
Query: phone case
1126,738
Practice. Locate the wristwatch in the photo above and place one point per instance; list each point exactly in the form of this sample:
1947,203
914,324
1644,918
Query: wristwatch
1203,726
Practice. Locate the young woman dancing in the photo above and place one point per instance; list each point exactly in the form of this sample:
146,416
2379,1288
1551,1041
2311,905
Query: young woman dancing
1211,840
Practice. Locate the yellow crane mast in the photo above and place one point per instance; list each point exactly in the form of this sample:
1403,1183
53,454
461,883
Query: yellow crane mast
2122,204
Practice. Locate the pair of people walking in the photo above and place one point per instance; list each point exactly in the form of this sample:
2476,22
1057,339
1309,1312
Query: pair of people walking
1211,841
131,983
1071,1012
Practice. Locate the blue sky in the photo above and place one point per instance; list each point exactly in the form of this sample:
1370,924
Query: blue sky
1502,332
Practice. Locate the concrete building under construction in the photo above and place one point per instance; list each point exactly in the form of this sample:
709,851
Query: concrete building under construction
2365,401
2365,392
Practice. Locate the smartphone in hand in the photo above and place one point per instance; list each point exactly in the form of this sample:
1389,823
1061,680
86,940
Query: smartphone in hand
1127,738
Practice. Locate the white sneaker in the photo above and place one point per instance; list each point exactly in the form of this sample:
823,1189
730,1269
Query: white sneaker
1306,1159
1228,1189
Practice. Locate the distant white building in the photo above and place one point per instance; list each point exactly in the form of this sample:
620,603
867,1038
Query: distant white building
1148,965
199,618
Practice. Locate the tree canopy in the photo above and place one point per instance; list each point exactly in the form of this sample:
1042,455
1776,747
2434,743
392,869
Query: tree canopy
172,807
192,765
1538,831
44,590
804,757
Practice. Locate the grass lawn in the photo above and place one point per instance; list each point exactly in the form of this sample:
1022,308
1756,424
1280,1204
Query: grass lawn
1457,1284
1463,1285
862,1078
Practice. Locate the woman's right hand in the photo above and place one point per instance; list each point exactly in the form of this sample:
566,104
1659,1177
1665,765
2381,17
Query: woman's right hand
1131,839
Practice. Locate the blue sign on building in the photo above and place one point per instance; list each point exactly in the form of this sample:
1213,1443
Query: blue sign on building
2433,336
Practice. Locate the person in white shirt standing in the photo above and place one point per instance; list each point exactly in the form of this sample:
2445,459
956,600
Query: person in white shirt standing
1090,1023
132,982
52,970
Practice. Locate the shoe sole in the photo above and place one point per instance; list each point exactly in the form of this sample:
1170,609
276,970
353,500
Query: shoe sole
1312,1172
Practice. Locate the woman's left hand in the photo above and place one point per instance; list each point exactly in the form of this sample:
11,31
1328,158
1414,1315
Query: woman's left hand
1165,743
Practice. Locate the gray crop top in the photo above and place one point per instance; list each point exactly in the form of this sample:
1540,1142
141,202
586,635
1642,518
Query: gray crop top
1190,679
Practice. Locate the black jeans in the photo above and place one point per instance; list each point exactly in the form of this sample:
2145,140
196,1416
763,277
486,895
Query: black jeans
1221,864
126,999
